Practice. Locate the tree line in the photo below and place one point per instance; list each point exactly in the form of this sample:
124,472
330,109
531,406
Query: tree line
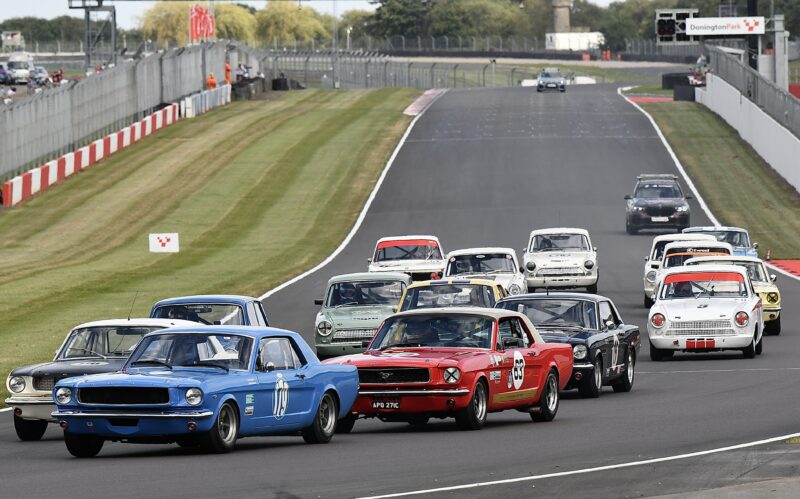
284,22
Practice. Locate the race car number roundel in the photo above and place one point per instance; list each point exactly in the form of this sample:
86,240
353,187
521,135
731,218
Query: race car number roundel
518,372
281,399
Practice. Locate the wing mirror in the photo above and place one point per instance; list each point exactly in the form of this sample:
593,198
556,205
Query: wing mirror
646,258
394,309
628,197
611,325
773,277
521,270
317,302
270,367
594,248
755,245
687,197
369,260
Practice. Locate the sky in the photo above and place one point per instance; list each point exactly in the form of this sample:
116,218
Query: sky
129,12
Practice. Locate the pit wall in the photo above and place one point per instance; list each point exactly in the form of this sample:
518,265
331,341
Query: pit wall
774,143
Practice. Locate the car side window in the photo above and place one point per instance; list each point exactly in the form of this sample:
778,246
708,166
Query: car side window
278,352
510,329
256,313
488,297
263,315
606,314
518,331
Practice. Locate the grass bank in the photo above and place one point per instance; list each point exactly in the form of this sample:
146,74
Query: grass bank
655,90
259,191
739,187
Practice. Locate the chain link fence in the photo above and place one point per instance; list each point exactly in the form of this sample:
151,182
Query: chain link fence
782,106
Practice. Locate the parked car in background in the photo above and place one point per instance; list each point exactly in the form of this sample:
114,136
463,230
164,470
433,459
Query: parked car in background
658,202
737,237
462,363
705,308
652,262
180,386
561,258
763,282
226,310
352,309
90,348
604,349
20,67
421,257
4,77
495,264
452,293
41,76
551,79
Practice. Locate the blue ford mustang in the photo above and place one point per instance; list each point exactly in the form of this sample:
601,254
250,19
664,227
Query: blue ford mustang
207,386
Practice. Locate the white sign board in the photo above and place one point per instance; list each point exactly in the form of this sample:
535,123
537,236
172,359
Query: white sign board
706,26
164,243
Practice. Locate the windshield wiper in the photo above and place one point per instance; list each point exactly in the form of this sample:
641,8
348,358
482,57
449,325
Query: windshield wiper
560,326
151,362
88,351
346,304
205,363
400,345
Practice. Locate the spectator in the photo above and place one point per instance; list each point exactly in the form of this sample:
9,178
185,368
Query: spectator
228,72
211,82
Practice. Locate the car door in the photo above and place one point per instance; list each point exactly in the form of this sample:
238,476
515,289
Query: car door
522,371
282,397
613,356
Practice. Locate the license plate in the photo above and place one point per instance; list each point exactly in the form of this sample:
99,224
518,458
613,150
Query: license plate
551,85
660,219
386,404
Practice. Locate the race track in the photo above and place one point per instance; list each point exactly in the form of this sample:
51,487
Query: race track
483,168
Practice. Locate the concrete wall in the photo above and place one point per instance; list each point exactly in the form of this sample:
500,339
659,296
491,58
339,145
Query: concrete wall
777,145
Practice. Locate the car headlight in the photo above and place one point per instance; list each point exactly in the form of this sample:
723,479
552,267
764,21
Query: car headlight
452,375
63,395
579,352
16,384
658,320
324,328
194,396
637,208
682,209
741,319
773,297
531,266
588,264
651,276
514,289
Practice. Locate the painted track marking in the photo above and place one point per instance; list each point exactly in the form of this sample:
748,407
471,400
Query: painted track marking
588,470
755,369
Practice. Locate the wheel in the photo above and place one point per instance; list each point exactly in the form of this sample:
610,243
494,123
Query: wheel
648,302
345,425
760,345
83,445
658,354
630,229
625,383
773,327
593,385
324,425
29,429
222,436
473,417
548,402
750,351
592,289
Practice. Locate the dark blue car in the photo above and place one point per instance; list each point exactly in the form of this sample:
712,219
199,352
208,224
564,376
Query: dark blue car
225,310
207,386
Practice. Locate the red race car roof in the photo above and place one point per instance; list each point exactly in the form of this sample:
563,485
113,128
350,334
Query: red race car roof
704,276
407,242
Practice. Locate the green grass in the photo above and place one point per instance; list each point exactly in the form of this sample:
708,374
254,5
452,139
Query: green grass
649,90
259,192
739,187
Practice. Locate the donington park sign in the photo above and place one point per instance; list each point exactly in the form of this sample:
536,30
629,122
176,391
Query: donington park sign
707,26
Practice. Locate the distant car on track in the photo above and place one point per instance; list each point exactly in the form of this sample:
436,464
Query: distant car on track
735,236
207,386
705,308
551,79
421,257
452,293
225,310
652,262
561,258
352,309
604,349
657,202
90,348
677,252
461,363
497,264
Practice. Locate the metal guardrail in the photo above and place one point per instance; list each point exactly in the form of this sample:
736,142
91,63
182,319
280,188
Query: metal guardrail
782,106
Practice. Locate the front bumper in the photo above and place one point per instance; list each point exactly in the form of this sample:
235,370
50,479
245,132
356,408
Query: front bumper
771,314
641,220
133,424
412,401
33,407
701,343
550,86
337,349
580,372
556,281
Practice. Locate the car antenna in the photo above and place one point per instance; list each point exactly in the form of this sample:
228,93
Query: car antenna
132,303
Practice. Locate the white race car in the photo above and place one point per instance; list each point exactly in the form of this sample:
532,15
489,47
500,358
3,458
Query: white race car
705,308
676,253
652,262
421,257
495,264
561,258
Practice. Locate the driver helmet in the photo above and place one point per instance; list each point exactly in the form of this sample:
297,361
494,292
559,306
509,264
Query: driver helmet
347,292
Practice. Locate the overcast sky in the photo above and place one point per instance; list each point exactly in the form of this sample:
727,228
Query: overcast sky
128,12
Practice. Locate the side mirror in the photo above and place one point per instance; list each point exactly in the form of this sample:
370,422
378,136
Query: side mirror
646,258
628,197
773,277
688,197
394,309
521,270
270,367
594,248
369,260
317,302
611,325
755,245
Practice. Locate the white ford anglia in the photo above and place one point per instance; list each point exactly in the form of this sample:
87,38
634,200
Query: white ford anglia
561,258
704,309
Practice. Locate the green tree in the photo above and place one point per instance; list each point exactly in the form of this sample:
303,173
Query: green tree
357,20
167,22
285,22
469,18
235,22
401,17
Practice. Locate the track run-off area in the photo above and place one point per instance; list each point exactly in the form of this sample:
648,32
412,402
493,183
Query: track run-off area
484,168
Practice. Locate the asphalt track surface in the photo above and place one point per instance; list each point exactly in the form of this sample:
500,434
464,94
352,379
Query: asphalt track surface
484,168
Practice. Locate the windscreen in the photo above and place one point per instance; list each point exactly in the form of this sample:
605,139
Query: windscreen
704,284
732,237
559,242
436,330
212,350
556,313
211,313
417,249
483,263
677,256
448,295
657,190
101,342
365,293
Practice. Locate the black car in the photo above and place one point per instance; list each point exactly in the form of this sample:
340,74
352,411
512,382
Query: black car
658,202
551,79
604,348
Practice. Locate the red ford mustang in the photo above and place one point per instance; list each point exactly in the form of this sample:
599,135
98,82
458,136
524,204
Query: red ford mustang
457,362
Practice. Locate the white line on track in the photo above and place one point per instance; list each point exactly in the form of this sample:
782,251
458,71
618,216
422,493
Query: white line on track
361,215
685,176
721,370
588,470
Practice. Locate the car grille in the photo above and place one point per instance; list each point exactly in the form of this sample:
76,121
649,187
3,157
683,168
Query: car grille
700,328
123,396
394,375
659,211
352,335
46,383
561,271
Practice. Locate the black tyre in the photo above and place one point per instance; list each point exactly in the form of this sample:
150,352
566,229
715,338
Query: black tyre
750,351
222,436
625,383
29,430
345,425
473,417
760,345
324,425
658,354
591,386
648,302
548,402
773,327
630,229
592,289
531,289
83,445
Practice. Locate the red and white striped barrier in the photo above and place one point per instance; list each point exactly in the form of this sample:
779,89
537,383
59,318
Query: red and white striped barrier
23,186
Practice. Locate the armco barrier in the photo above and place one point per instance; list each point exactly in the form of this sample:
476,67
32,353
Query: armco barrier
22,187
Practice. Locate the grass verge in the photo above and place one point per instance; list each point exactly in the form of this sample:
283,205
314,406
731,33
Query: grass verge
649,90
259,191
740,188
